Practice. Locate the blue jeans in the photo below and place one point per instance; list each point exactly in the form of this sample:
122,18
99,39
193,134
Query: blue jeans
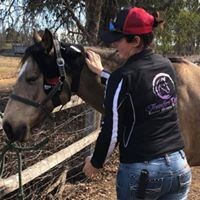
169,178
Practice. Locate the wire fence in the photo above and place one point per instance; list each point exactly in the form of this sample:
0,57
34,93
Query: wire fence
69,125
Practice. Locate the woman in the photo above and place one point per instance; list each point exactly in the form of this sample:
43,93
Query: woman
140,115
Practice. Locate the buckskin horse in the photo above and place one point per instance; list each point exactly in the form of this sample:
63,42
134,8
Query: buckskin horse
52,71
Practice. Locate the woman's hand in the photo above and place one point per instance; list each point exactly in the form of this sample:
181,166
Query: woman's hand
94,62
88,169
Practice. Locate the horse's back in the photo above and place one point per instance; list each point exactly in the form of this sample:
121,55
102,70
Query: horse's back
188,79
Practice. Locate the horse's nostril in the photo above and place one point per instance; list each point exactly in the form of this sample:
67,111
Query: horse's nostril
21,132
8,130
15,134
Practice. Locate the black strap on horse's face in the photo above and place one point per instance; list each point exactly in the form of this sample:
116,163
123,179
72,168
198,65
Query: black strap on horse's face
37,104
56,89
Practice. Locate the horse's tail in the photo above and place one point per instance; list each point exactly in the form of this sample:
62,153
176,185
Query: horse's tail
181,60
177,59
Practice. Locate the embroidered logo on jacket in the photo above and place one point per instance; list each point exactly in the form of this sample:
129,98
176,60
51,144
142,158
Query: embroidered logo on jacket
163,87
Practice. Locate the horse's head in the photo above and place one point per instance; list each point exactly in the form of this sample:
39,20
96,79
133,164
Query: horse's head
49,73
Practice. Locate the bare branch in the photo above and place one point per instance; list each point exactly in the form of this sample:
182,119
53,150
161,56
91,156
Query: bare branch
80,26
8,11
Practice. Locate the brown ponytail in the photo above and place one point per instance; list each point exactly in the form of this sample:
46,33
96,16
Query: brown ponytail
157,20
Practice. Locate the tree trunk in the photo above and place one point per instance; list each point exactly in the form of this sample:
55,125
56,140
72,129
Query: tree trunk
93,16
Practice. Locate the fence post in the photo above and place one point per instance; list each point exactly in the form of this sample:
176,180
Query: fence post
92,120
1,117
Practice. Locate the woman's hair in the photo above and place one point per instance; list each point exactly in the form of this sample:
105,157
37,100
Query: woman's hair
147,39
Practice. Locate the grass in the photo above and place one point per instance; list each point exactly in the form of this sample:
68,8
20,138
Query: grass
8,67
8,71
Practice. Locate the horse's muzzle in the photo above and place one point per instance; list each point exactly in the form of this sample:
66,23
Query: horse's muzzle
18,133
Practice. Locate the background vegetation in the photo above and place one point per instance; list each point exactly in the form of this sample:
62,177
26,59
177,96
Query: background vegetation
81,21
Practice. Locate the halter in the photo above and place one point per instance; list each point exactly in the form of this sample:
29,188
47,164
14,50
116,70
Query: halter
56,89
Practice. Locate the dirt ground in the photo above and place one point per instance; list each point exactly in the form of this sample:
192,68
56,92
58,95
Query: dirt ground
103,186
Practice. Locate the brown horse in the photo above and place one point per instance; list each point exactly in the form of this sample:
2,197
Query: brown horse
52,71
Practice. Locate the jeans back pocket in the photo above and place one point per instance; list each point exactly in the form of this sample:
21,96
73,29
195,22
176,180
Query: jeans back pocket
185,180
153,188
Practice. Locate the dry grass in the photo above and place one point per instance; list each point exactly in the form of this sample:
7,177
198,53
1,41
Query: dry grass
8,70
8,67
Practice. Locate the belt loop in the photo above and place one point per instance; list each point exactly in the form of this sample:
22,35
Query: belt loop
167,159
182,154
146,162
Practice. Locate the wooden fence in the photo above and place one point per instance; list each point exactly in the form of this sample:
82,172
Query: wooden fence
11,183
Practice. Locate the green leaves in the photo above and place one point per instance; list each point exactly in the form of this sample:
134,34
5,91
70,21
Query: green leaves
183,26
79,22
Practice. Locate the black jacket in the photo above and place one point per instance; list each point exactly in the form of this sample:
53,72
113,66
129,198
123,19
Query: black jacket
140,111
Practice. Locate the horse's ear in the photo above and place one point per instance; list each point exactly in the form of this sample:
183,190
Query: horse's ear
36,36
47,40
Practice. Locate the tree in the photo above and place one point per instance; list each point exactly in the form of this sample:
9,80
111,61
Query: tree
12,35
80,21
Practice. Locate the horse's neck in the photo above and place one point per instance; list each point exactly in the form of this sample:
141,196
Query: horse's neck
109,57
91,90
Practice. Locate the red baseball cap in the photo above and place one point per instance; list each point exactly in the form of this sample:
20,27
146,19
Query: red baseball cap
132,21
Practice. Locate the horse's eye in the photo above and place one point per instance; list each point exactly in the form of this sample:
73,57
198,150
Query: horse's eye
31,79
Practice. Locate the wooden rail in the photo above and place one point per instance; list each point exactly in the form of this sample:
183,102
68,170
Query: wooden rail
11,183
75,101
1,124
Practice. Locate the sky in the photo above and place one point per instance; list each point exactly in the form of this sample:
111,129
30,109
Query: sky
16,14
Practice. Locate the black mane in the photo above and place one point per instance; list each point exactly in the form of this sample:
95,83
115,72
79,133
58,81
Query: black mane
74,60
